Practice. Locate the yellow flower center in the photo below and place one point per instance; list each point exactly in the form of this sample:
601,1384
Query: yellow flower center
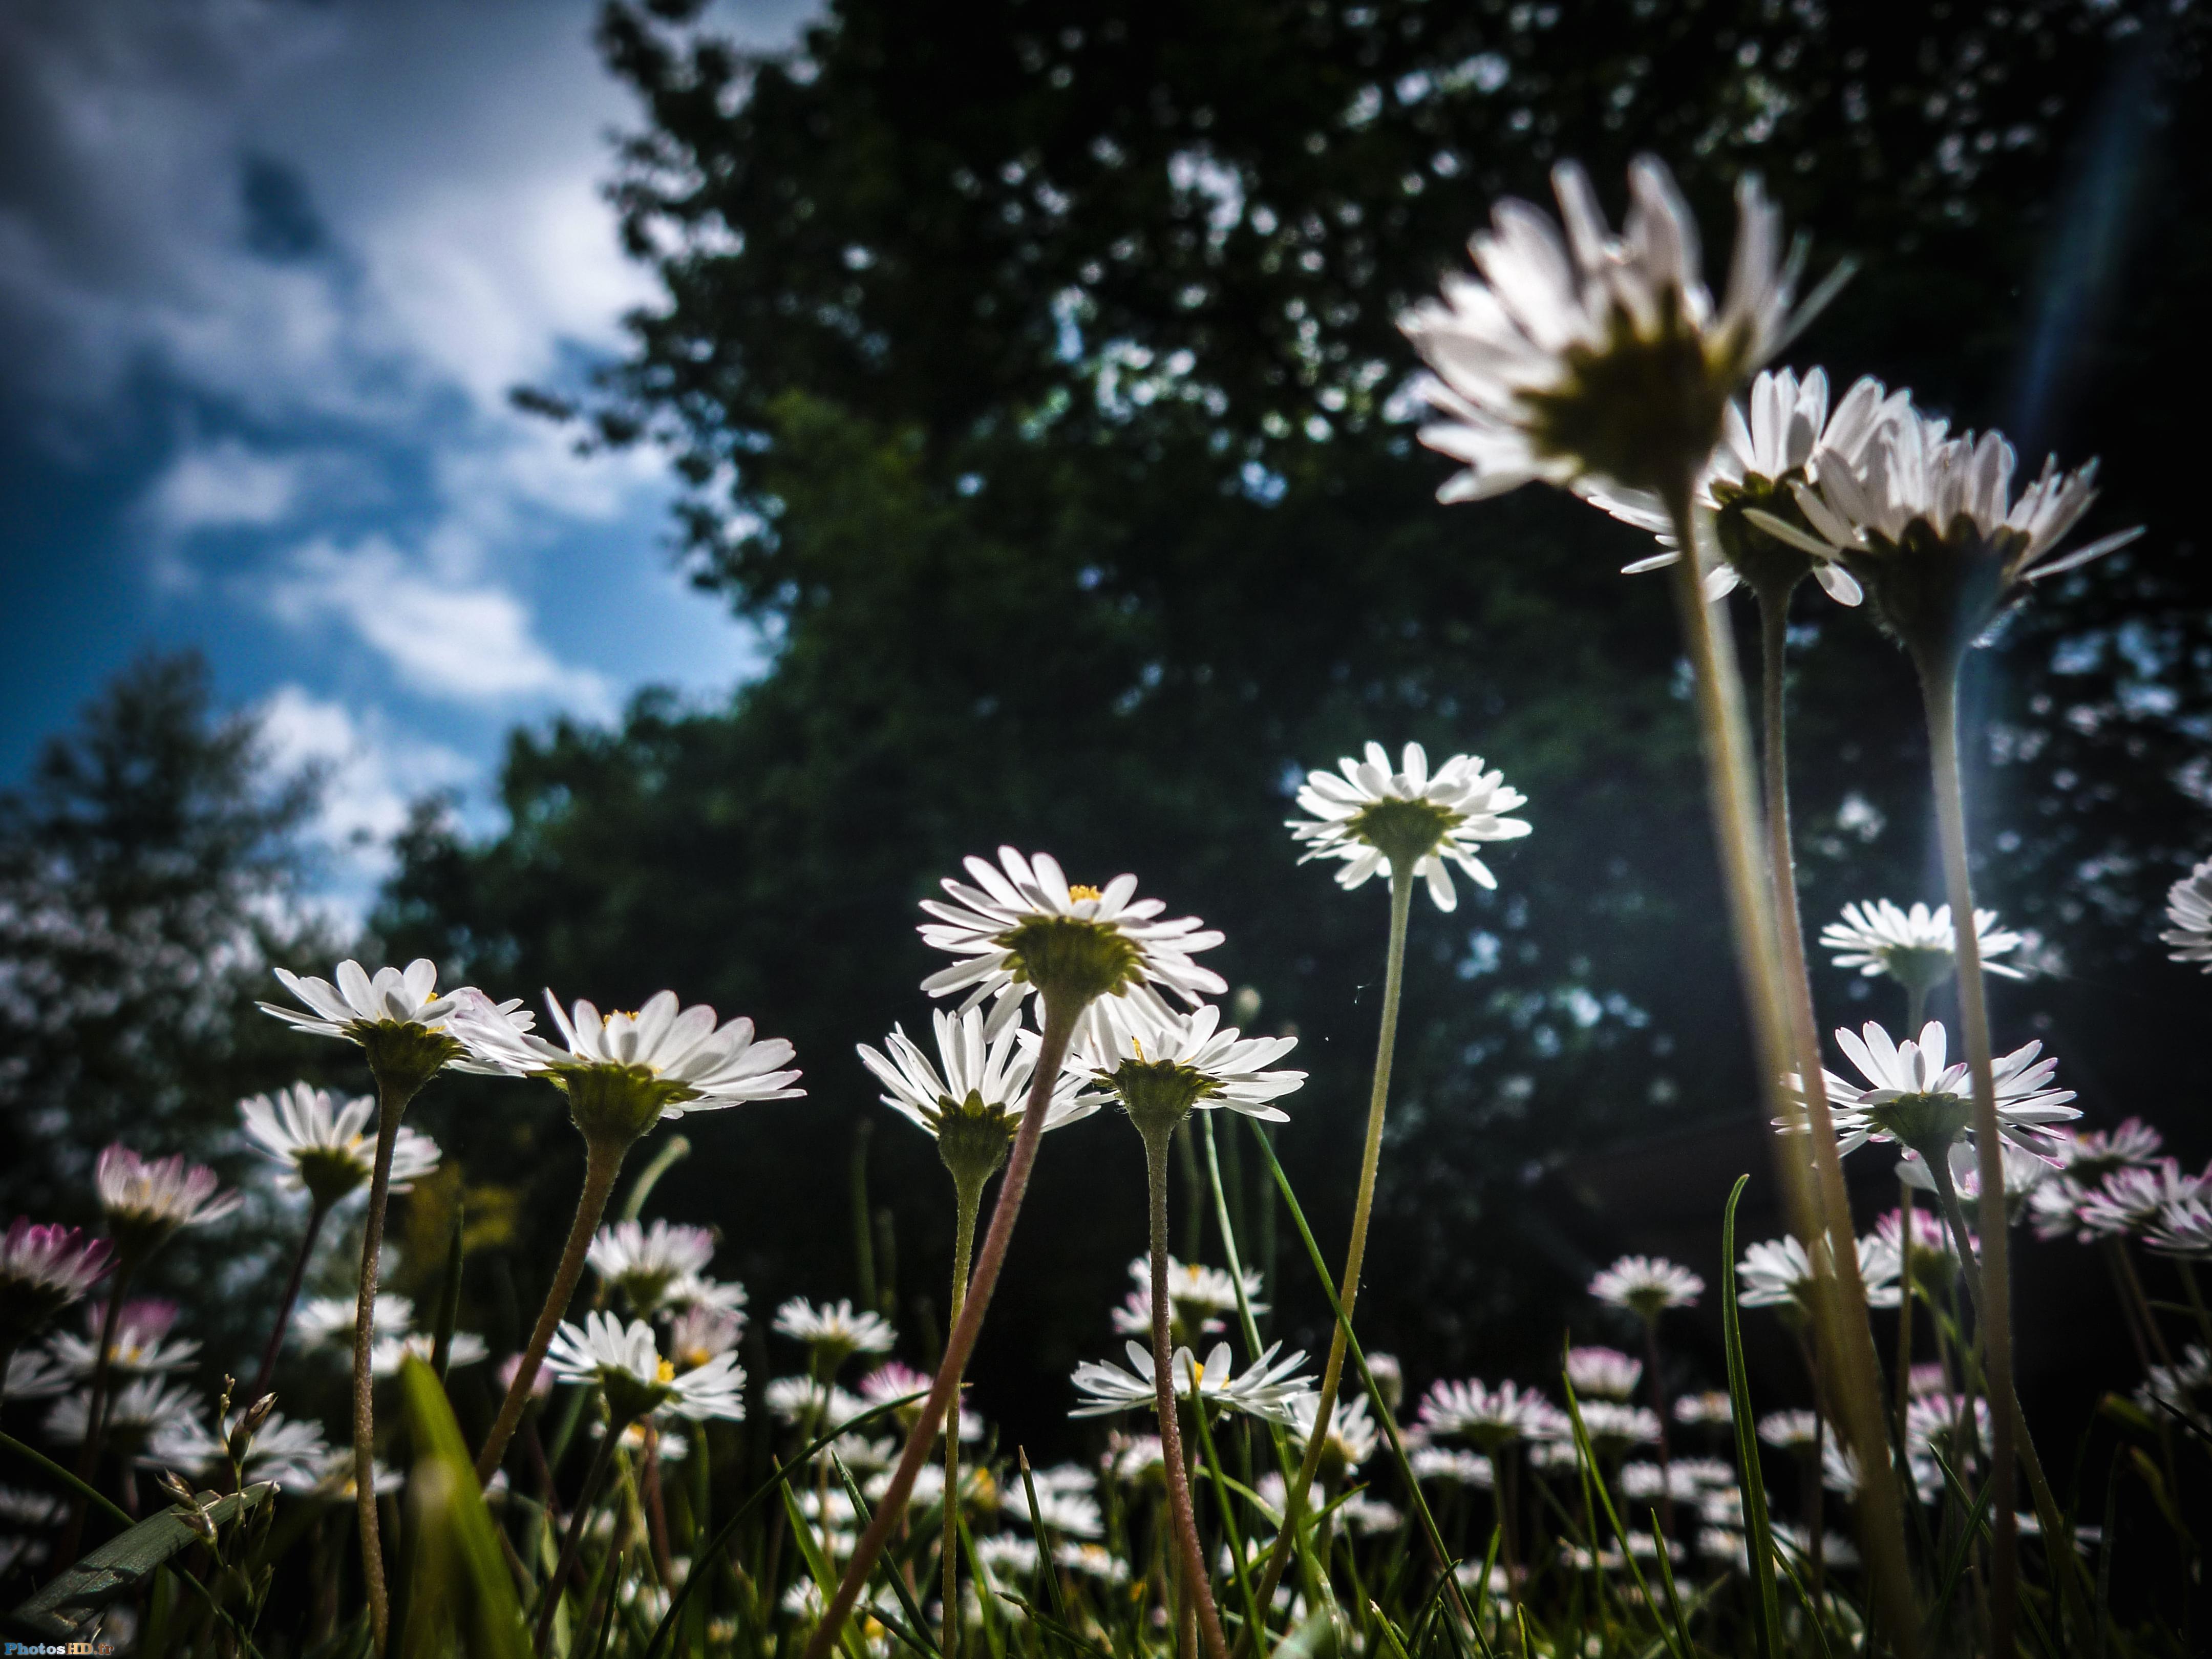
1078,891
667,1373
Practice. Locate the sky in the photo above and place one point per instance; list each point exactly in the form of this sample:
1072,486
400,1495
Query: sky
269,269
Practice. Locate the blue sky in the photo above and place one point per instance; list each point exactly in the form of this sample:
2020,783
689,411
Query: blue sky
268,271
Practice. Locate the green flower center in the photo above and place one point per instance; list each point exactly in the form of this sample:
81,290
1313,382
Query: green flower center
1927,1123
617,1103
1643,409
1159,1094
1067,958
1938,592
1403,831
1768,565
329,1173
972,1137
404,1055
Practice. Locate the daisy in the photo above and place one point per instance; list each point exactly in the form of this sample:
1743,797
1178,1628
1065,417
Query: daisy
2087,1155
1489,1419
1928,524
1023,924
984,1078
1603,1373
1647,1286
327,1150
1198,1298
624,1072
1162,1064
1589,359
2188,907
1790,1431
1911,1096
331,1318
1407,820
626,1366
1467,1468
1914,947
1613,1427
1777,1273
804,1400
135,1413
2128,1200
147,1201
1779,436
388,1353
700,1332
1269,1388
1643,1482
1064,1510
2024,1174
406,1029
833,1331
140,1347
2182,1228
2183,1390
35,1374
1352,1435
1712,1406
293,1455
44,1268
645,1262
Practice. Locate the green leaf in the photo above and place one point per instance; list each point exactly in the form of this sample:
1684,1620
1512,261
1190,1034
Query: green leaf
1759,1536
118,1567
460,1596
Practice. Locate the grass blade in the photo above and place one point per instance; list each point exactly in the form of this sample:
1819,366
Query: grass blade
1759,1532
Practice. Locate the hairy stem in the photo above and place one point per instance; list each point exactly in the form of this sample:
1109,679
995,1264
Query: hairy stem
1939,682
602,1162
276,1348
967,1199
390,1107
1904,1292
1060,1018
1355,1256
1197,1591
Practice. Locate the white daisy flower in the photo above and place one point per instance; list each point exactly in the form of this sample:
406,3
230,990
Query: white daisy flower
2183,1228
1647,1286
387,1353
1777,1273
1375,818
1488,1417
2087,1155
1710,1406
1353,1433
330,1318
2188,907
1928,524
2128,1202
141,1347
326,1149
644,1263
1268,1388
44,1268
1200,1297
2184,1390
1612,1425
1065,1511
1914,947
1911,1096
2024,1174
145,1200
1161,1060
1592,359
399,1019
36,1374
1468,1468
142,1409
1643,1482
625,1364
1785,439
293,1454
1024,917
804,1399
1603,1373
1790,1431
835,1331
1093,1561
983,1077
623,1071
700,1332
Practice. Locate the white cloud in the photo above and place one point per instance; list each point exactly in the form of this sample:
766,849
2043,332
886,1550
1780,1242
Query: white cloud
223,486
370,775
472,641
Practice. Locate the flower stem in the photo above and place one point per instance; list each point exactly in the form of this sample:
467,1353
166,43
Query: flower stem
1198,1592
967,1199
1939,684
95,1411
391,1106
594,1478
1785,1038
1904,1294
1061,1015
316,1212
602,1162
1355,1256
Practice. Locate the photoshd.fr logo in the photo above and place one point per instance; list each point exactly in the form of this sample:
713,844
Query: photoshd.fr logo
9,1650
